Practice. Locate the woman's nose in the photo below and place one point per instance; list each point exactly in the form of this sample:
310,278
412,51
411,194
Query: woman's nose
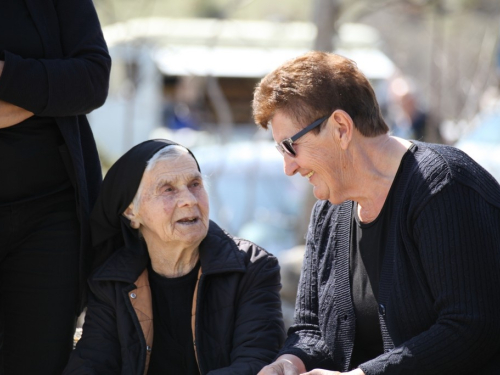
290,165
187,198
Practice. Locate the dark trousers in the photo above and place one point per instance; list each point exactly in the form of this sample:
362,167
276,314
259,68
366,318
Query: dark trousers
39,245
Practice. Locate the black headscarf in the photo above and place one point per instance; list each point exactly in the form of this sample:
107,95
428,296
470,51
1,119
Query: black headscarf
109,227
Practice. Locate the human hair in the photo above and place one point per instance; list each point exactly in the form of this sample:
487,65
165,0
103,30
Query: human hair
170,152
314,85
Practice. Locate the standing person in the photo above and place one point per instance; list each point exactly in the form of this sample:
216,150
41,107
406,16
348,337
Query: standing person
401,269
54,68
177,294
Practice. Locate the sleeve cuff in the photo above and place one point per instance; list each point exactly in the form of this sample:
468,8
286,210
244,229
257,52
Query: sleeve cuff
24,83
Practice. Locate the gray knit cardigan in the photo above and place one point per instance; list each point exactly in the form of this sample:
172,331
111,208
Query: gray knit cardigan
439,297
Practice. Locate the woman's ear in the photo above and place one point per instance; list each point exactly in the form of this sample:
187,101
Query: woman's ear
344,127
129,214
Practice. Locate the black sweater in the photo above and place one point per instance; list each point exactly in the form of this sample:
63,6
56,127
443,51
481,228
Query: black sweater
439,296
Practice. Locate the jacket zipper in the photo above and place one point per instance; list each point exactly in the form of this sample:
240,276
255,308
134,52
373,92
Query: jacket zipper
195,313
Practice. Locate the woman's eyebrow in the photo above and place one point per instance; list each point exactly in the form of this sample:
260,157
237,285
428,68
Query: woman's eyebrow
171,180
162,181
195,176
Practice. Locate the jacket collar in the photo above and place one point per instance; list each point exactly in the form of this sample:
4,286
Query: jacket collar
218,254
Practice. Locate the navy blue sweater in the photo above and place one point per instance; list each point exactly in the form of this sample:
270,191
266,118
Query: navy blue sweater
439,298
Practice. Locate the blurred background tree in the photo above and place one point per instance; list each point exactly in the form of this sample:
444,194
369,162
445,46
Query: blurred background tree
448,46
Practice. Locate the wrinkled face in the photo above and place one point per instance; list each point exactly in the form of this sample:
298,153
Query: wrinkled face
173,207
318,158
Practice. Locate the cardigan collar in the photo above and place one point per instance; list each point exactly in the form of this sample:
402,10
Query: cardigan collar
44,16
218,254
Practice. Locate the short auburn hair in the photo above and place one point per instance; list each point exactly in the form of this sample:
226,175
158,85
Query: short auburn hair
314,85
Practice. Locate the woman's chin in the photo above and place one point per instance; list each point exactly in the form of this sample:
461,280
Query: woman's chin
319,193
191,232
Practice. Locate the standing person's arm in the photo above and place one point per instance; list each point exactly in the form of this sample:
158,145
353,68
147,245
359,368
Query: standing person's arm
71,85
457,241
11,114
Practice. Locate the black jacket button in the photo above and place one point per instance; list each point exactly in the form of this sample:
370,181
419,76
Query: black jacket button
381,309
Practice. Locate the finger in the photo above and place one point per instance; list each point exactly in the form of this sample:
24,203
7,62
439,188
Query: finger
270,370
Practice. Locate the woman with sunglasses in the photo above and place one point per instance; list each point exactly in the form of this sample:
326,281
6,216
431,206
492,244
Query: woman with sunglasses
401,270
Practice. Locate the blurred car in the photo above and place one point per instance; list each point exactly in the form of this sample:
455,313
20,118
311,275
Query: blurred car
252,198
483,142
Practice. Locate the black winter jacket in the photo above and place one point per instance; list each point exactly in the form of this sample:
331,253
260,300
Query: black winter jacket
439,298
70,81
238,320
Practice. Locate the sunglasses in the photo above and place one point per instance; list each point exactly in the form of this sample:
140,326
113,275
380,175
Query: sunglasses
286,145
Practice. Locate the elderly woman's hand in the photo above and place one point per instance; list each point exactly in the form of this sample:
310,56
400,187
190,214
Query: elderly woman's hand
285,365
326,372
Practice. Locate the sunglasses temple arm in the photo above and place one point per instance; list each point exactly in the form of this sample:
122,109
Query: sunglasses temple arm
308,128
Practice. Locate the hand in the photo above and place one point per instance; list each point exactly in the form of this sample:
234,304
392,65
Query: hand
286,364
280,367
11,114
318,371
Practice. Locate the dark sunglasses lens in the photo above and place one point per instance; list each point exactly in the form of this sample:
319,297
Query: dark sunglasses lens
287,146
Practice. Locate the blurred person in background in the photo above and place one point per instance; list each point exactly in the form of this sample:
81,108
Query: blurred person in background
174,294
54,68
400,274
408,119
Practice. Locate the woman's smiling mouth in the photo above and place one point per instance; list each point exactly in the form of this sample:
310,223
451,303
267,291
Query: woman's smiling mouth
309,175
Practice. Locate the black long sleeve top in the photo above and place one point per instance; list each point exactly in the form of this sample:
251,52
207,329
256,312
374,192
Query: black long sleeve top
438,292
70,80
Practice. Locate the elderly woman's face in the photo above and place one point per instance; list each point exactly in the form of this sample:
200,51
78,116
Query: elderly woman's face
318,158
174,204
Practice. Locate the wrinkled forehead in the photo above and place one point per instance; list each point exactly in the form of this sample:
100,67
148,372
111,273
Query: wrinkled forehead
283,126
180,169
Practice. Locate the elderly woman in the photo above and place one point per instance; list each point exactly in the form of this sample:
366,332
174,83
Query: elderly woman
401,270
177,295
